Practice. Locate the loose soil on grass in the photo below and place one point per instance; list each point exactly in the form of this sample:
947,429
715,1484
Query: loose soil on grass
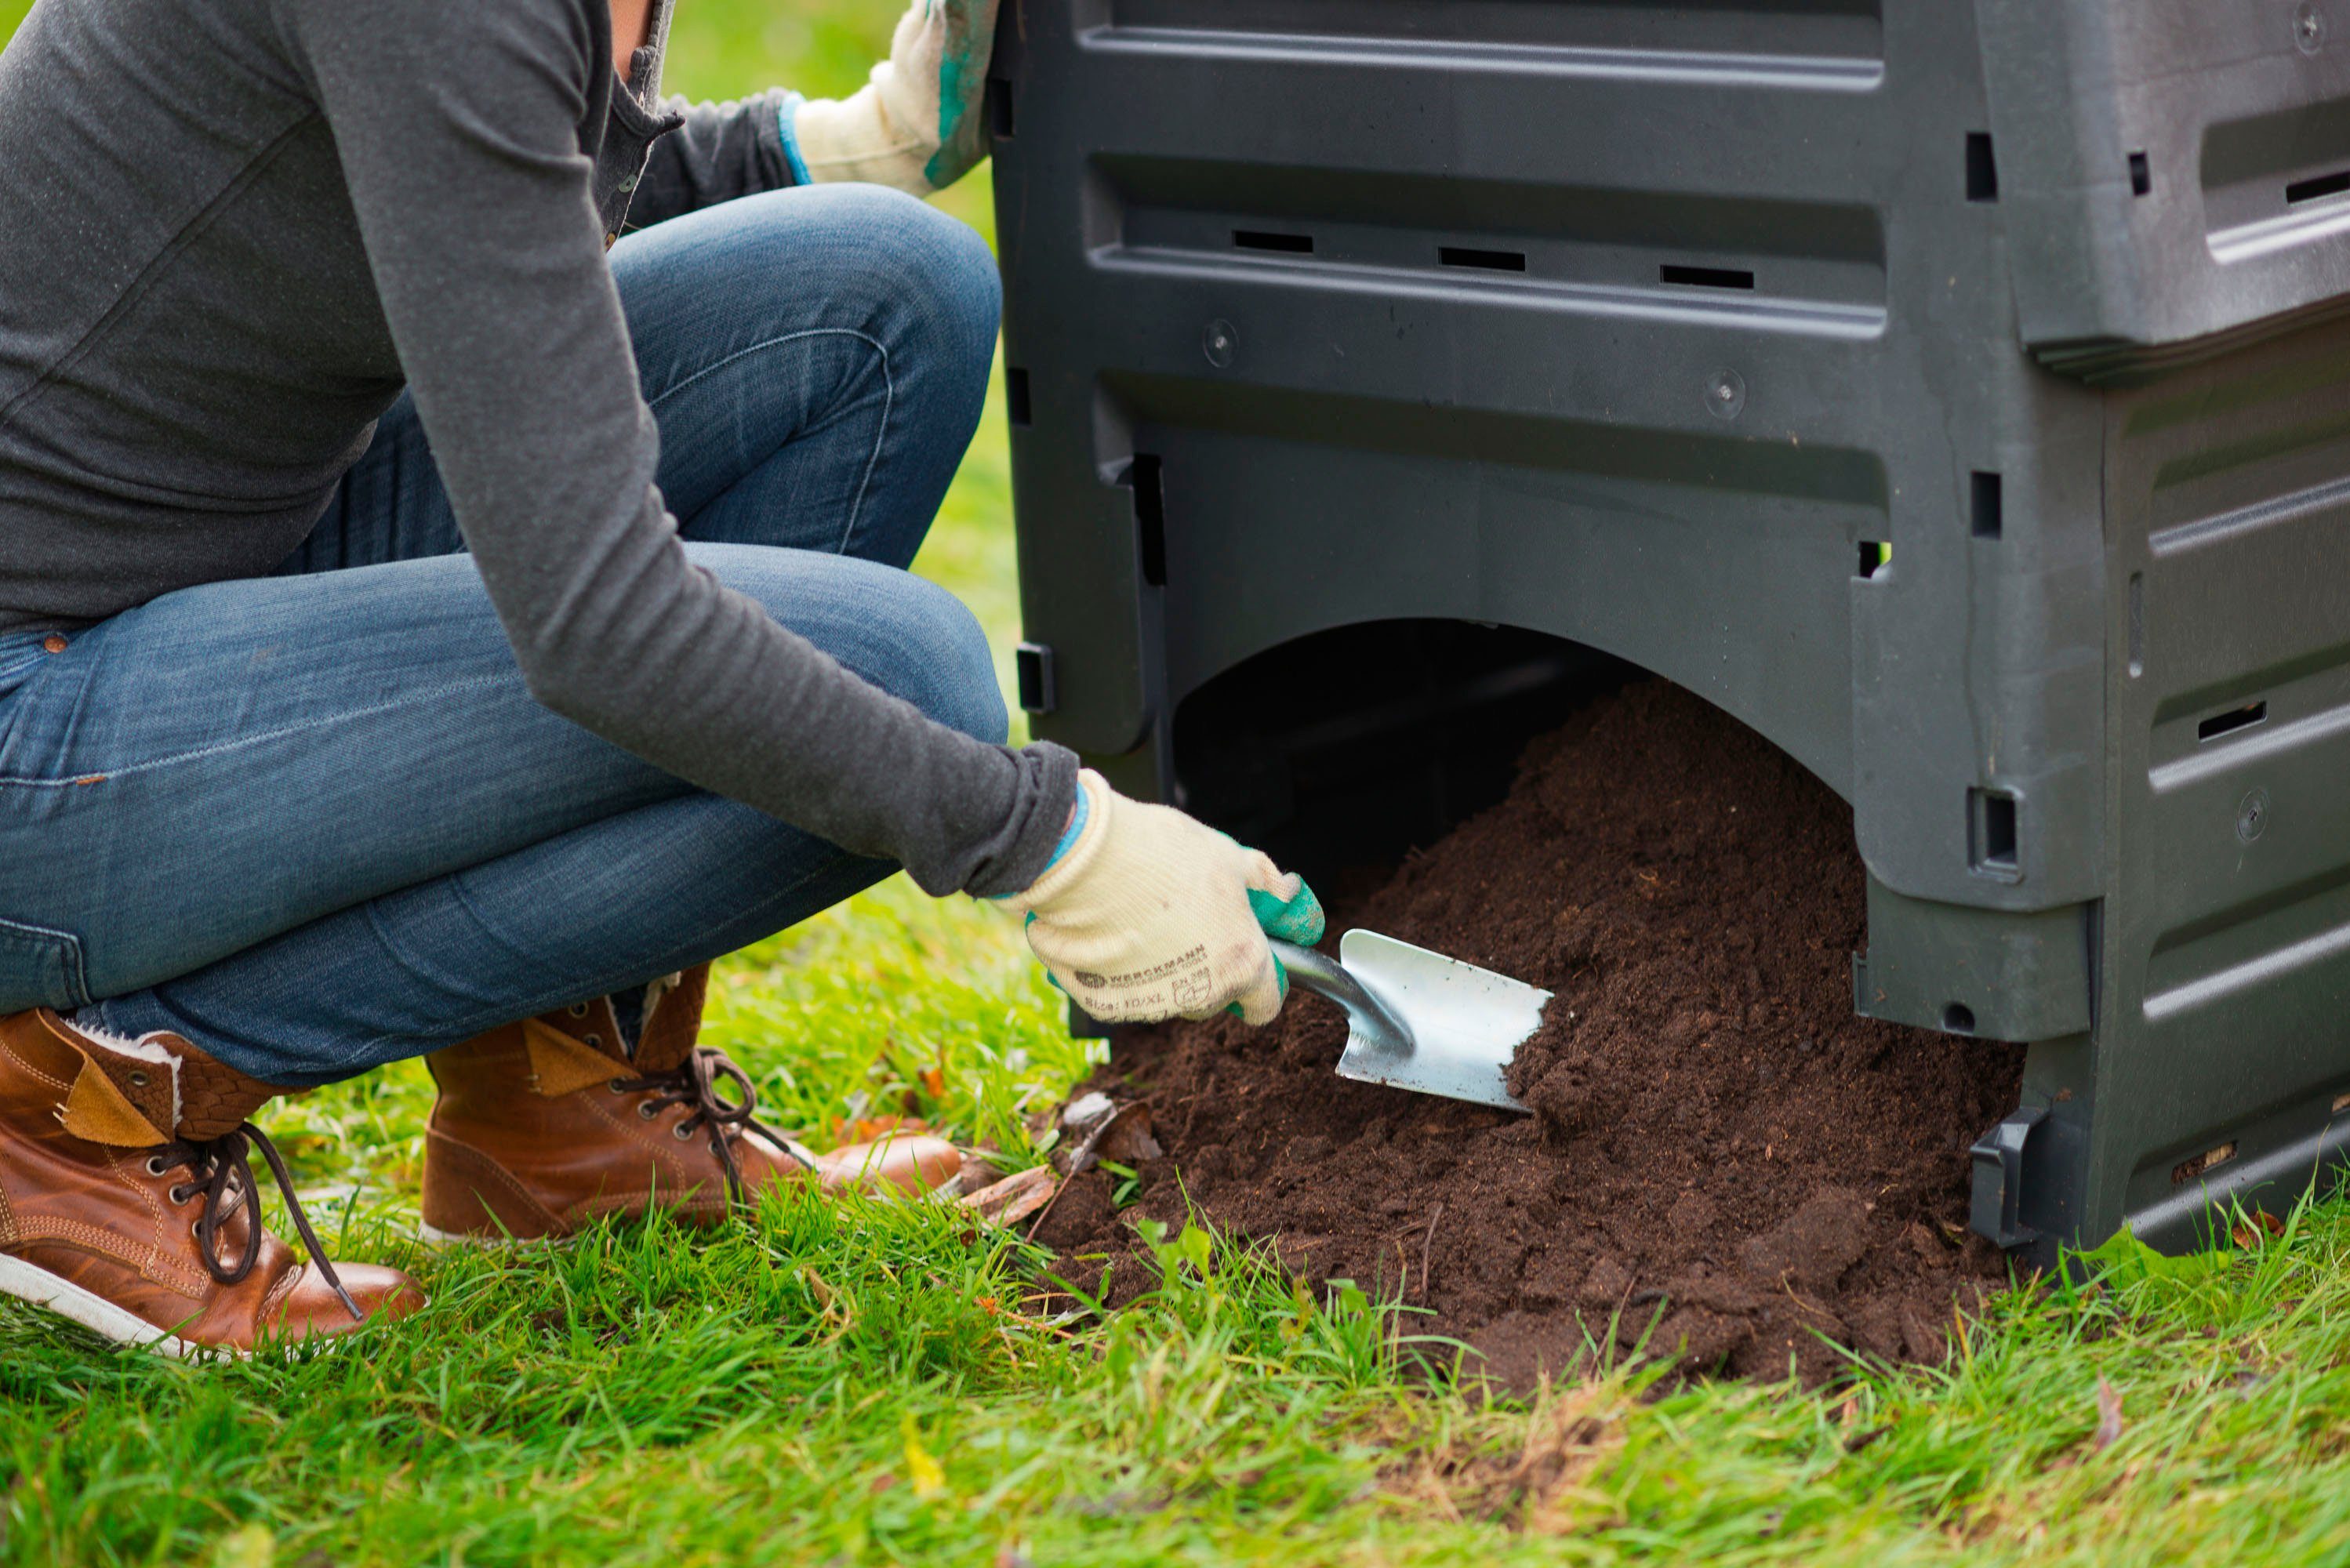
1723,1159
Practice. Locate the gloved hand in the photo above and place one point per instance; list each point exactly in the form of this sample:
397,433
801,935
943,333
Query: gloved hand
1147,914
917,124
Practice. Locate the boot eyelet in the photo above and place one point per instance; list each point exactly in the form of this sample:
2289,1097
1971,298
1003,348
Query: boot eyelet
178,1195
618,1086
597,1041
155,1167
578,1009
681,1132
647,1110
138,1080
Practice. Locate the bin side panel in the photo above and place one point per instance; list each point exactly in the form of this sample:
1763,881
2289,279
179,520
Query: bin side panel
2230,726
2176,173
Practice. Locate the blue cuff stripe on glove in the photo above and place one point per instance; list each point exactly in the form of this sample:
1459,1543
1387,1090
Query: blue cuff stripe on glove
1069,833
787,114
1078,816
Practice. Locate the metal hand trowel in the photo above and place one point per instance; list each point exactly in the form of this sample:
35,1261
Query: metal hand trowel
1418,1020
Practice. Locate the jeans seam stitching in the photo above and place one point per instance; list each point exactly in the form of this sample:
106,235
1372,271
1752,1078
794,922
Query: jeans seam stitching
242,742
69,956
880,435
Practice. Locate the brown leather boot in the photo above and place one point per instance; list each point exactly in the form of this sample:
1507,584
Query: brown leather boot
126,1201
544,1126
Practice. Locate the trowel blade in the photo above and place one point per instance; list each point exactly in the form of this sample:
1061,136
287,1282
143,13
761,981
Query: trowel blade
1466,1022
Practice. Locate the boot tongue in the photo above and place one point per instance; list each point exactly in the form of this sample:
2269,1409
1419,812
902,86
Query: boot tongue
125,1098
562,1062
98,1111
672,1025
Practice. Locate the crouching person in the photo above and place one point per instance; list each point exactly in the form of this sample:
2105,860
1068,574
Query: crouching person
455,514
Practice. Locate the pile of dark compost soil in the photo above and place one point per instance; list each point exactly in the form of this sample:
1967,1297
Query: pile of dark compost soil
1723,1156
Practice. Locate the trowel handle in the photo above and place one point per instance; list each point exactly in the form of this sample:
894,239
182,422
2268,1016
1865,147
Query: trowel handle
1327,977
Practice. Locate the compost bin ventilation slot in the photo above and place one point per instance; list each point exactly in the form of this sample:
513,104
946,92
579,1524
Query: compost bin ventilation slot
1705,277
2141,174
2317,188
1982,173
1986,508
1015,395
1959,1019
2233,719
2187,1171
1149,516
1031,662
1492,261
1266,239
1874,553
1991,834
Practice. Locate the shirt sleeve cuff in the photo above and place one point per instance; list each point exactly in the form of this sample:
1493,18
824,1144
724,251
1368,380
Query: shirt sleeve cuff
1050,792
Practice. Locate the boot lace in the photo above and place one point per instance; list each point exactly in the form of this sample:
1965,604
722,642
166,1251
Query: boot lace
694,1081
221,1169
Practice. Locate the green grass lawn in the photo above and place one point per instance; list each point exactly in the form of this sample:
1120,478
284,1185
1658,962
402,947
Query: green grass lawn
853,1383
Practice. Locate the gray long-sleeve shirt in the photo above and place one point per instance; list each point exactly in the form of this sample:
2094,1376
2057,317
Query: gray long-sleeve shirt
231,231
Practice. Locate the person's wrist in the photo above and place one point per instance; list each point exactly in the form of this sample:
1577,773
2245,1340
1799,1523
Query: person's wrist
1073,828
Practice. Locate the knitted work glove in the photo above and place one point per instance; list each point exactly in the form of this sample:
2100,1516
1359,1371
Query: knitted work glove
917,124
1147,914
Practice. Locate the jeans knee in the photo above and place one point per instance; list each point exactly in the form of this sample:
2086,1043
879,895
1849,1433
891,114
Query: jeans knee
958,685
949,268
902,633
936,263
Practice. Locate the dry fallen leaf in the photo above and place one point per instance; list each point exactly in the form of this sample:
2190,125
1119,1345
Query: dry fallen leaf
1128,1138
2109,1413
816,1287
934,1083
1095,1121
1013,1199
2247,1231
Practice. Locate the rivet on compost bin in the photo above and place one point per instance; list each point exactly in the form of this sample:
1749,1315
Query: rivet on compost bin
1220,343
2308,28
2252,816
1725,394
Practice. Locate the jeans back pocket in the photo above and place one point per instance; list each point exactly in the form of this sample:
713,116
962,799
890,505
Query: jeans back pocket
39,968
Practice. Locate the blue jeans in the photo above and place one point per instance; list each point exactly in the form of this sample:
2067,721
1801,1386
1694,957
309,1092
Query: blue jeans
314,822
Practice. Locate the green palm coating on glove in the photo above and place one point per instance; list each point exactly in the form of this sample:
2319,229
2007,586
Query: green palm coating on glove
1298,919
918,124
963,83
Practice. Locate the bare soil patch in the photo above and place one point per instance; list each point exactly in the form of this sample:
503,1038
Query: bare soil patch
1723,1156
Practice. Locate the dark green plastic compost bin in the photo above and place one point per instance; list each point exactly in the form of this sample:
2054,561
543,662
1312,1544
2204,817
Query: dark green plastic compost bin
1957,394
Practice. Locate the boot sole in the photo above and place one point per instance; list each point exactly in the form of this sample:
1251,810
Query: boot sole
31,1282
